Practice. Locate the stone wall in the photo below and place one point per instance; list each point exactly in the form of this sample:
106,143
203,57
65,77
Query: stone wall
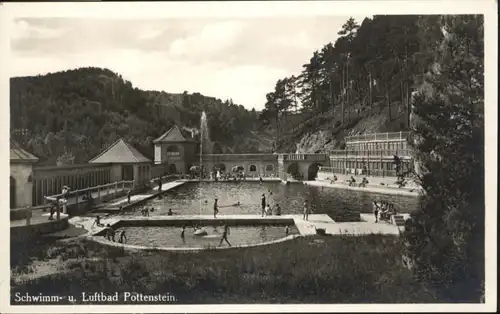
26,233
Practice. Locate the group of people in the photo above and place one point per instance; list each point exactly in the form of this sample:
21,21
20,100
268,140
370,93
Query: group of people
364,182
145,210
109,232
383,210
266,207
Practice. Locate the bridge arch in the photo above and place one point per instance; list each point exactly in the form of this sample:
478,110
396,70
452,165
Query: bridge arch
12,192
312,171
269,168
294,170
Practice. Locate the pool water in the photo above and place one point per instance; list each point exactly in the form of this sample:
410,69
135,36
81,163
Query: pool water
171,236
197,198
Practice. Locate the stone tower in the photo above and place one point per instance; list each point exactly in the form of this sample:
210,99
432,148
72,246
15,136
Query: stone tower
176,149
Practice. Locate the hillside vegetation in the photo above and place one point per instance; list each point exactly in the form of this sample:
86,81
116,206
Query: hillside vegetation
360,84
70,116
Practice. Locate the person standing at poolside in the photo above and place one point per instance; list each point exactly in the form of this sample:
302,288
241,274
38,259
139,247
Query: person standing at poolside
306,211
128,195
216,208
110,233
263,204
183,230
268,210
122,237
375,210
97,221
224,235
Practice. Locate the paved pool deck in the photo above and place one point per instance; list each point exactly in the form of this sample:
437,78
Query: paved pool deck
305,227
415,192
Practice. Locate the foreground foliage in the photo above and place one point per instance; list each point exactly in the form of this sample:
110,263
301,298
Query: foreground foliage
445,241
309,270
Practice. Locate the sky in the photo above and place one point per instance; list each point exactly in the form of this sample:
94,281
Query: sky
225,58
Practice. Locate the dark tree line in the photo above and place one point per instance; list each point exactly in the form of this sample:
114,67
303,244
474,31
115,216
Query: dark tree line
71,116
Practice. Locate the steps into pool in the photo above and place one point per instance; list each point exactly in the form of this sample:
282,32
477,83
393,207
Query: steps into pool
398,220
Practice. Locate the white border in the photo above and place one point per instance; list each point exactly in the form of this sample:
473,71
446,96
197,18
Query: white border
149,10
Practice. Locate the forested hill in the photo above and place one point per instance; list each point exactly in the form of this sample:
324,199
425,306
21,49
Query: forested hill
363,82
71,116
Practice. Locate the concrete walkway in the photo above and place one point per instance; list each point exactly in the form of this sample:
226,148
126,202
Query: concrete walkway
37,217
137,197
305,227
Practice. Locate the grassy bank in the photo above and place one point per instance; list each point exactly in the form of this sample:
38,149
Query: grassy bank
306,270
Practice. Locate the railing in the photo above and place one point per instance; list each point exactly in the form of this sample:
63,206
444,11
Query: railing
303,157
239,157
378,137
372,153
355,171
102,190
48,180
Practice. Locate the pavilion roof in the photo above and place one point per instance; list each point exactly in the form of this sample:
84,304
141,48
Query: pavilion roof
120,152
175,134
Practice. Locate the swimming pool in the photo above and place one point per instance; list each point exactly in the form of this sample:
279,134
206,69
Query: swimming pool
341,205
238,235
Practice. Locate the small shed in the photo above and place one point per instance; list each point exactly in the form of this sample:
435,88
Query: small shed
127,163
21,176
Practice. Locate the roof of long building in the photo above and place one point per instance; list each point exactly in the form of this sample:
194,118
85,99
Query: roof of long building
19,154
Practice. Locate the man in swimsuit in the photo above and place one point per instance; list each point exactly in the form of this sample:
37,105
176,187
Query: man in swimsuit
306,211
216,208
263,204
224,235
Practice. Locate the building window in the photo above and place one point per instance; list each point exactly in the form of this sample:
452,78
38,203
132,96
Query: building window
269,168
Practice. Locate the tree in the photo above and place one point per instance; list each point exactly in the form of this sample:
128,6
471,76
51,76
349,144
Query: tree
445,238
